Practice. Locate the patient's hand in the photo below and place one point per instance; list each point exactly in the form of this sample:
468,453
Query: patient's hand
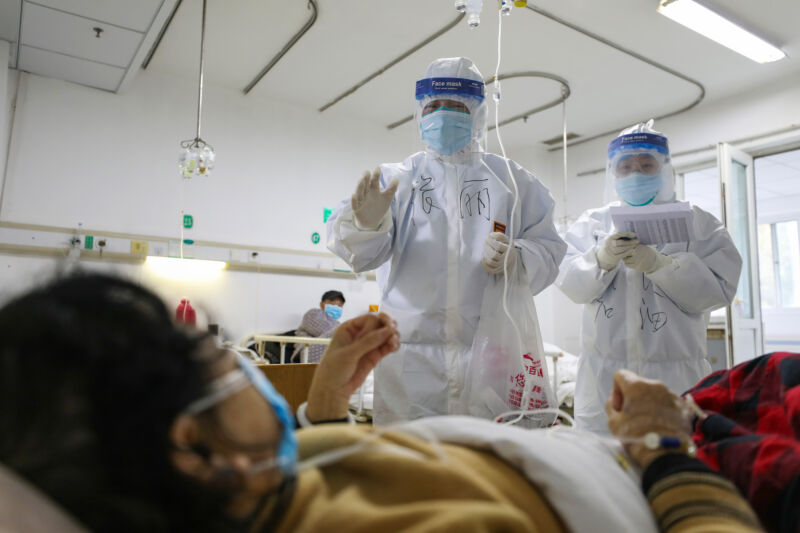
638,406
356,347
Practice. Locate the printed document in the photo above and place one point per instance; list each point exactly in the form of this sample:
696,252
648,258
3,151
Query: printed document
656,224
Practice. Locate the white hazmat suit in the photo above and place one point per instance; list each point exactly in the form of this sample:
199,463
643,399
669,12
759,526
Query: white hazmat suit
430,244
648,309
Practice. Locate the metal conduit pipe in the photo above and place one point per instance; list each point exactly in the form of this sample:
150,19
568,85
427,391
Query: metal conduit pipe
392,63
312,4
633,54
164,29
565,92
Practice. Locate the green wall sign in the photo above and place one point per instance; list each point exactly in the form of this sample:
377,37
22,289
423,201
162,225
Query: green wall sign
315,237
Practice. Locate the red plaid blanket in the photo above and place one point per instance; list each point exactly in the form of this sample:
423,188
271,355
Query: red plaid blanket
752,435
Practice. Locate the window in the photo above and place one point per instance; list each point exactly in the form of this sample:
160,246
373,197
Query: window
779,258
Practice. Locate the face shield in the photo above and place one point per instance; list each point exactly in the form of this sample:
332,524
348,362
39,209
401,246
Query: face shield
638,170
451,110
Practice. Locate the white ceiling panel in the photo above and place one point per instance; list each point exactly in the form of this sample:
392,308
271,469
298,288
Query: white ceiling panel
134,15
72,69
71,35
9,20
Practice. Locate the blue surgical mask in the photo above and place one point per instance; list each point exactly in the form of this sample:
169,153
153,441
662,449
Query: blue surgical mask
287,449
333,311
639,189
446,131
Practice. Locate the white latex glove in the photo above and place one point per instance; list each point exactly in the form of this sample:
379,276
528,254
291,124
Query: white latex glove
646,259
494,251
614,248
370,203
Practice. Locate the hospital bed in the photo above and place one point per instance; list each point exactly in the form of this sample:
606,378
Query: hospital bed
261,339
562,367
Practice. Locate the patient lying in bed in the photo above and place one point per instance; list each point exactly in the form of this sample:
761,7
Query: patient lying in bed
132,424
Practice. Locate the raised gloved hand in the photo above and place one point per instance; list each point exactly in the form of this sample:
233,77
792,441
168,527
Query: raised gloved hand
369,202
494,250
646,259
614,248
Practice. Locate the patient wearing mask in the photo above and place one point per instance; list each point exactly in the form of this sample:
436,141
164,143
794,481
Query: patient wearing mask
319,322
131,423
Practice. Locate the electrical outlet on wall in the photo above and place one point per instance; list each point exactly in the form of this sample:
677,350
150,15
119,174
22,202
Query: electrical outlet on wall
139,247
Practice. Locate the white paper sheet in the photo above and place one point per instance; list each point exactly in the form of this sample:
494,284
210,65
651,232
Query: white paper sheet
656,224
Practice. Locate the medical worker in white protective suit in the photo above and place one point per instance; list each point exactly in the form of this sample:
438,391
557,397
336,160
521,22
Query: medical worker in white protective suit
646,307
434,228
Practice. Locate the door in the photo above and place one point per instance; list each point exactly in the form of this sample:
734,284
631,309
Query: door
745,336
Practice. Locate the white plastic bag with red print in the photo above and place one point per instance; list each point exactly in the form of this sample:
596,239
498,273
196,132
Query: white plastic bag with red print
500,368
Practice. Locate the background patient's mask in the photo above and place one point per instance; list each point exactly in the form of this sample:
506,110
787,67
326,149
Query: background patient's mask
236,380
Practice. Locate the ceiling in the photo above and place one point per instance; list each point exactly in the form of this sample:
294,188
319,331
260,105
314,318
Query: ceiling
99,44
352,39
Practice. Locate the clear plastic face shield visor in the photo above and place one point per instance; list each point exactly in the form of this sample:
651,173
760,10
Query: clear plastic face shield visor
639,170
451,114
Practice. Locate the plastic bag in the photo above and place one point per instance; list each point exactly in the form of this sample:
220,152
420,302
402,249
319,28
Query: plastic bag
500,368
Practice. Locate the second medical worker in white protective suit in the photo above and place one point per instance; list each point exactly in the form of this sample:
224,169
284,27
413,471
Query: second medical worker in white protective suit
433,227
646,308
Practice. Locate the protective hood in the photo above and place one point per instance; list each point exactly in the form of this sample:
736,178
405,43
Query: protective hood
457,79
638,167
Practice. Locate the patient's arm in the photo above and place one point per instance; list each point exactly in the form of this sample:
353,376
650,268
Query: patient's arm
684,494
356,347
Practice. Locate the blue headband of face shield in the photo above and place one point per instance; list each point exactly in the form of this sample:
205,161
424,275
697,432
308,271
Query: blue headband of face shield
236,380
634,141
450,86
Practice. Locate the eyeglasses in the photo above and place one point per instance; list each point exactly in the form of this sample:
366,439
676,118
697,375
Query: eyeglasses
450,105
646,164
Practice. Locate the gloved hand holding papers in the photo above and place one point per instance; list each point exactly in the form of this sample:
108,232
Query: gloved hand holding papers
656,224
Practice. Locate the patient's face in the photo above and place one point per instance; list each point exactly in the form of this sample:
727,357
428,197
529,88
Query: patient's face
242,428
245,418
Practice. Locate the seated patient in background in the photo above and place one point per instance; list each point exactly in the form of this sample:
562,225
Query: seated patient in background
319,322
131,423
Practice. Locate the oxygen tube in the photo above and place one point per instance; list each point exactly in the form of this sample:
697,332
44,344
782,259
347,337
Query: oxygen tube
496,97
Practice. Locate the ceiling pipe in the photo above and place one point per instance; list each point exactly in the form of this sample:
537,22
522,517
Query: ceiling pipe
392,63
633,54
312,4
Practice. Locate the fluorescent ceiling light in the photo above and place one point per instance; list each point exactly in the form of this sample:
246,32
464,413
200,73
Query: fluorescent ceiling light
717,28
185,269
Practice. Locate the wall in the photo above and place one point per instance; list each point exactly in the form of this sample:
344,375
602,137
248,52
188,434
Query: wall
241,302
757,112
80,155
109,162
